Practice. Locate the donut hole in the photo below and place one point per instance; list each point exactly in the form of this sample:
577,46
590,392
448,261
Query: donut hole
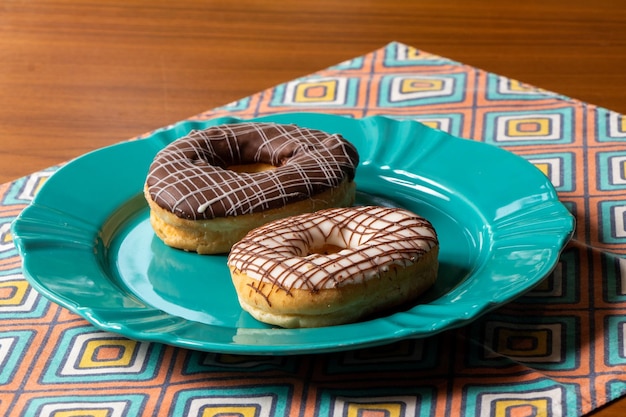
250,168
325,249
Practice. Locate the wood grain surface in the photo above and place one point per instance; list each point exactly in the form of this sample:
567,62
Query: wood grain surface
76,75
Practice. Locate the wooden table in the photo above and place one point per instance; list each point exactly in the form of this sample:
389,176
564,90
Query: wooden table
78,75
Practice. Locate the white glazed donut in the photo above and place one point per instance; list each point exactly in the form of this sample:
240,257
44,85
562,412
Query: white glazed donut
334,266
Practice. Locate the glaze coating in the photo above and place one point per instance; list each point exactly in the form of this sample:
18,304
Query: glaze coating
191,176
366,241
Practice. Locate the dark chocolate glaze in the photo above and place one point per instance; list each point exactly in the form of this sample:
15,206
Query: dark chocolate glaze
190,177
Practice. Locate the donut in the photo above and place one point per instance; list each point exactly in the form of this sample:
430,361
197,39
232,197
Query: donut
206,190
334,266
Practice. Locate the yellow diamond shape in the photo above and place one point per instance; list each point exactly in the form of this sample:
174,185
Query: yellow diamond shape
507,407
389,409
543,167
435,124
413,53
15,292
528,127
40,183
90,357
412,85
242,411
518,86
320,91
7,238
523,342
91,412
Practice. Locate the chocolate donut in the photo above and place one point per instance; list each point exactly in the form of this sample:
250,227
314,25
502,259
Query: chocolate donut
209,188
334,266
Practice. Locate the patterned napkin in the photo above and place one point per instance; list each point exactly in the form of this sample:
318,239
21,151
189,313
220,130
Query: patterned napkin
559,350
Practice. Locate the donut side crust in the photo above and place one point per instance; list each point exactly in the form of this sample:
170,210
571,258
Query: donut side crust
344,304
213,236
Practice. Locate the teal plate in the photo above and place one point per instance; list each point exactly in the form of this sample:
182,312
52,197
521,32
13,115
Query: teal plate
87,244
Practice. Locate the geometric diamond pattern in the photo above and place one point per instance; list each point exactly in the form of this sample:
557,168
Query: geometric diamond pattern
98,353
16,295
558,350
236,402
613,213
611,126
421,90
550,401
546,342
538,127
615,285
75,406
24,189
560,286
400,356
32,184
18,299
503,88
316,92
558,168
387,406
12,344
6,242
449,122
612,170
616,346
84,354
402,402
397,55
540,397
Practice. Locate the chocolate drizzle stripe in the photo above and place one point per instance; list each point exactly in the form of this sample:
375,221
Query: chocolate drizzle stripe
373,239
190,177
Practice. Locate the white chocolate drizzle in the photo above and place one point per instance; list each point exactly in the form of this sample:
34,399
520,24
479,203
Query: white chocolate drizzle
371,238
